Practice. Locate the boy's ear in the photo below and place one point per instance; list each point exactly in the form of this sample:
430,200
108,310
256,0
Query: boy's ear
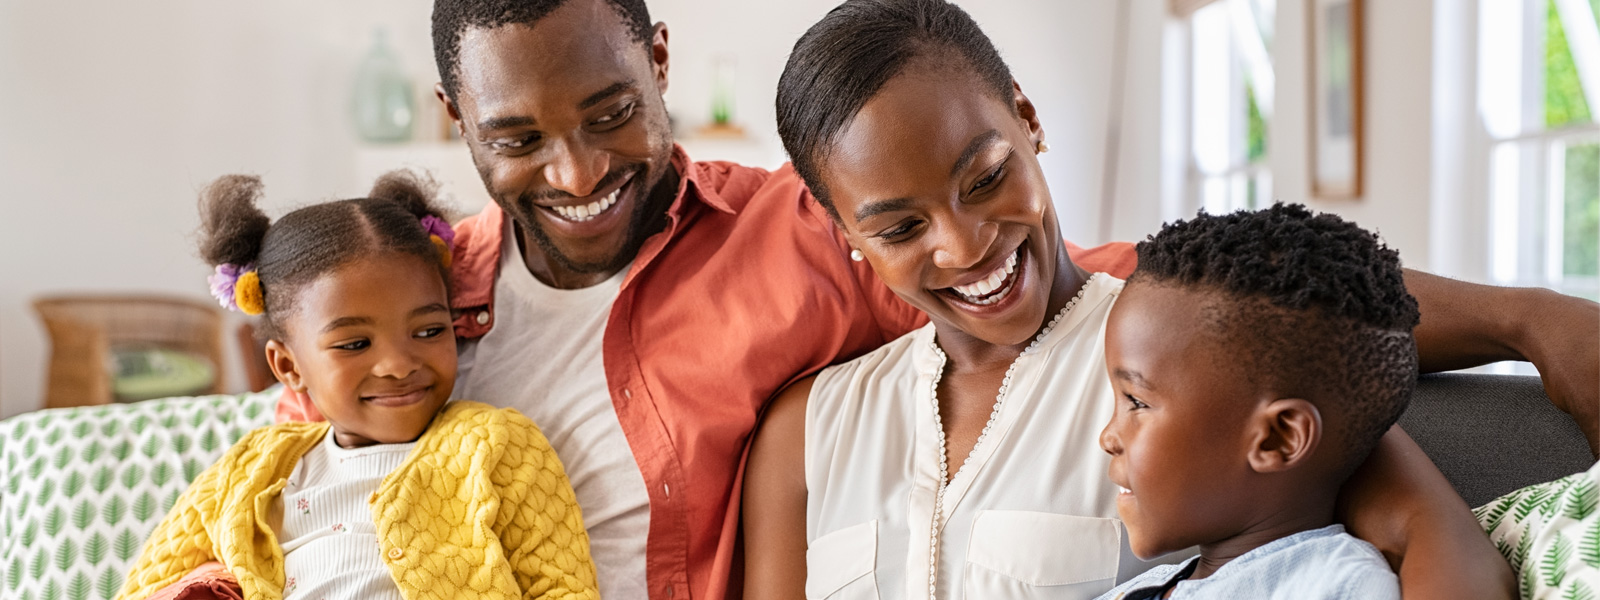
1286,432
284,366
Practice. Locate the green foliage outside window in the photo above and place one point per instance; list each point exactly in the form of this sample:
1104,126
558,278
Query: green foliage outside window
1564,104
1256,140
1563,91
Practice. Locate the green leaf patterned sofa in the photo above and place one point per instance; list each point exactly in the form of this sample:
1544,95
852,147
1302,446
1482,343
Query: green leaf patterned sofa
81,488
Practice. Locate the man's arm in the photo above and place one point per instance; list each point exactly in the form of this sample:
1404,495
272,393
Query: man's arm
1466,325
775,501
1398,501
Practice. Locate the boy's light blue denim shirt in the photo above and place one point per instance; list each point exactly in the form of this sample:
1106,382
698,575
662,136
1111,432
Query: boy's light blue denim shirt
1319,563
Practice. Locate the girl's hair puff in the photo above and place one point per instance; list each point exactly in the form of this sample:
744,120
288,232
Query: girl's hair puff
314,240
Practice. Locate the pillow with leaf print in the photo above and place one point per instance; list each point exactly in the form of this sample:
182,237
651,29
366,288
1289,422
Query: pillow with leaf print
1550,533
81,488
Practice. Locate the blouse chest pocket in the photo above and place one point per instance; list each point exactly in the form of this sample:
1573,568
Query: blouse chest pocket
839,565
1035,555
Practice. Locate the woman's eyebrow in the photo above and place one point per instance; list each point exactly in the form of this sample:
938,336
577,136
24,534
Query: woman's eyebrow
971,152
872,209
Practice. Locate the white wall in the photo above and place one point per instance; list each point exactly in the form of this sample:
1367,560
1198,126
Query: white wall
1398,158
113,114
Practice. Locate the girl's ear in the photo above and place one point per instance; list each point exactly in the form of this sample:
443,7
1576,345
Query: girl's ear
1286,433
284,366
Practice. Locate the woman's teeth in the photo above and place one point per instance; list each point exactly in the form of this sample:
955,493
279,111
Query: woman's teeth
975,292
1124,490
587,211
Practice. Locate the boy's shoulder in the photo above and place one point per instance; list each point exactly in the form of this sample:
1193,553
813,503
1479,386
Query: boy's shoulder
1320,563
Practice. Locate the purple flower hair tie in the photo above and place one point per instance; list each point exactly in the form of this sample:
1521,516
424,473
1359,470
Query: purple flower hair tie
437,226
223,281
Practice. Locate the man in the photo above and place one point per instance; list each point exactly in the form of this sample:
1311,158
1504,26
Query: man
642,308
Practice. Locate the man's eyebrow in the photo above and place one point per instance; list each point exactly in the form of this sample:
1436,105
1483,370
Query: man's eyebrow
872,209
603,95
493,123
346,322
971,152
429,309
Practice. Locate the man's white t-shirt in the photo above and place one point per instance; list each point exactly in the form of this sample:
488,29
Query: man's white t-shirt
543,358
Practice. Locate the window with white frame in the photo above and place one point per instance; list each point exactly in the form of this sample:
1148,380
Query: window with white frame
1538,96
1231,85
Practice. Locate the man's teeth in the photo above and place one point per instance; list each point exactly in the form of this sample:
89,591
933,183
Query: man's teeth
587,211
1124,490
991,283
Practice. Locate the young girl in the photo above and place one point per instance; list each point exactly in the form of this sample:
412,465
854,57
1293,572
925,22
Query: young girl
398,494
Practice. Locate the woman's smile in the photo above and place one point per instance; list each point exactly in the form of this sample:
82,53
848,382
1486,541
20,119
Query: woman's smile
988,290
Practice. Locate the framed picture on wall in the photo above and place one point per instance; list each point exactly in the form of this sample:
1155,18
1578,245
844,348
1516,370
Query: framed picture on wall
1336,98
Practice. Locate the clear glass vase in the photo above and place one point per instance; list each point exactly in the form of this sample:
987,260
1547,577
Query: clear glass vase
383,106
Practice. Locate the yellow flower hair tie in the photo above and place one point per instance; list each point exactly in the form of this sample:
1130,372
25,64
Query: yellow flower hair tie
444,249
247,294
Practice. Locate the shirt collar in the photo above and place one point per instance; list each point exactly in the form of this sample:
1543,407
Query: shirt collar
691,174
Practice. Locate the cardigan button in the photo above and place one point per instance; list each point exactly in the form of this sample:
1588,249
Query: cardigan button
396,553
483,317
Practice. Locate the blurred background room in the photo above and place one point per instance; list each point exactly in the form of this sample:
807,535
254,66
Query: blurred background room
1464,131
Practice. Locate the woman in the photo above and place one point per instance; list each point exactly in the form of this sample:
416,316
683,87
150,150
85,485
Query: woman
961,461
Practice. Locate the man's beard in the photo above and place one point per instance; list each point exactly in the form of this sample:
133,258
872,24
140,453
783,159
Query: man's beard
649,215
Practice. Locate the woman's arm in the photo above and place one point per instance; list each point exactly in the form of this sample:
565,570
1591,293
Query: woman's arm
1401,503
775,501
1466,325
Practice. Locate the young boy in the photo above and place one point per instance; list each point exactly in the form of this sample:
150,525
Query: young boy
1257,358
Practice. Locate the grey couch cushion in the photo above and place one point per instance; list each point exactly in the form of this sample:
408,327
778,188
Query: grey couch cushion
1492,434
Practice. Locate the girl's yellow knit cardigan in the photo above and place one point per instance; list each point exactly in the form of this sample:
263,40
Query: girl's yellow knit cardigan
480,508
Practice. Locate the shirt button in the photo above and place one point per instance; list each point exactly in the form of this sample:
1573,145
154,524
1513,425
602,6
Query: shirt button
483,318
373,498
666,490
627,393
396,553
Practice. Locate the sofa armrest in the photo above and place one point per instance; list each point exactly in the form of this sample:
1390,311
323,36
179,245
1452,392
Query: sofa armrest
81,488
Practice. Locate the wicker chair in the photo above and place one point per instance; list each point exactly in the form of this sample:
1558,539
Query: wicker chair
84,330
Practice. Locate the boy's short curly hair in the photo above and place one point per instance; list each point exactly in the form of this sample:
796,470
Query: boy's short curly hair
1314,307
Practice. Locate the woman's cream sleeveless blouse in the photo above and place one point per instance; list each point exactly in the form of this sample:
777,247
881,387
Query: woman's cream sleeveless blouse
1032,515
